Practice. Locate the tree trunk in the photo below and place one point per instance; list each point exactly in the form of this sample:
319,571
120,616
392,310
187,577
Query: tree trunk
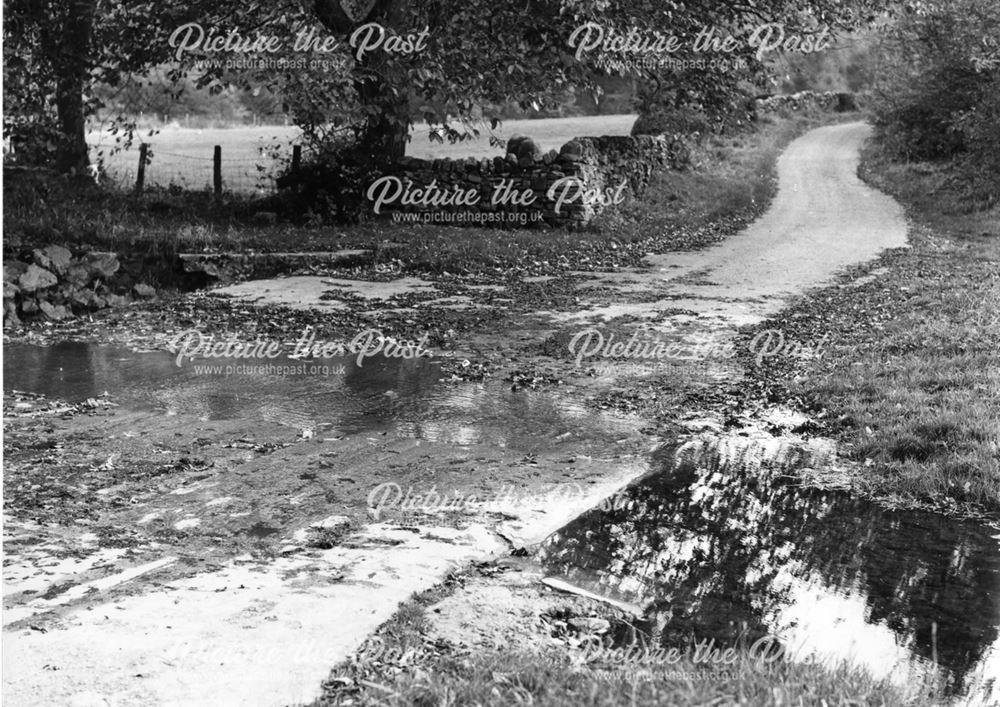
72,69
384,134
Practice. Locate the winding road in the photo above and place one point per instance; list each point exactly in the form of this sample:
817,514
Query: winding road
822,220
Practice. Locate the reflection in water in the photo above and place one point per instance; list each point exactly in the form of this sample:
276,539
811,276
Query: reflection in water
402,396
291,392
722,543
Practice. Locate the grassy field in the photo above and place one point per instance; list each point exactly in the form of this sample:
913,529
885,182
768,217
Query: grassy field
911,383
250,155
183,157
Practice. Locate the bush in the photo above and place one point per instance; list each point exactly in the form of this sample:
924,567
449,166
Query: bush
937,98
30,139
329,185
980,125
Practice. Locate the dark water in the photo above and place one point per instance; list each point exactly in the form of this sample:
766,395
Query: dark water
723,545
402,396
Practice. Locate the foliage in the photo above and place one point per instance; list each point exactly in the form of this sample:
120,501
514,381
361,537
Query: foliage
695,92
45,49
52,66
939,95
851,65
161,96
483,54
477,56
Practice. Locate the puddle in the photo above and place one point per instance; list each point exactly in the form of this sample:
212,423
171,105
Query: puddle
259,530
405,397
338,392
723,543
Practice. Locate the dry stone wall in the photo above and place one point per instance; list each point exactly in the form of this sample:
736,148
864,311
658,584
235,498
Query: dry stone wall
823,100
526,187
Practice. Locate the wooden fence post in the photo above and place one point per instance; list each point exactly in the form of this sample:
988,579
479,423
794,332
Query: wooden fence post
140,174
217,171
296,158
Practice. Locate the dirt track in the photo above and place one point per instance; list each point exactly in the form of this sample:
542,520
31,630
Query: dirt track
92,628
823,220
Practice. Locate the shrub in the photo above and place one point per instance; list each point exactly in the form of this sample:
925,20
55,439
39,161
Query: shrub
938,96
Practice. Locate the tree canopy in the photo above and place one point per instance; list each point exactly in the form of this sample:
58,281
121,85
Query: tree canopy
421,59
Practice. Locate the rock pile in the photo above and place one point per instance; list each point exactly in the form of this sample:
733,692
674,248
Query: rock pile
53,283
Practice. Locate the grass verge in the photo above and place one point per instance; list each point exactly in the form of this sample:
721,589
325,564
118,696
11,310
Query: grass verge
910,383
502,678
404,663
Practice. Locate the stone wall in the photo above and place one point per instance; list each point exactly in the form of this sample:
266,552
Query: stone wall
566,188
823,100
